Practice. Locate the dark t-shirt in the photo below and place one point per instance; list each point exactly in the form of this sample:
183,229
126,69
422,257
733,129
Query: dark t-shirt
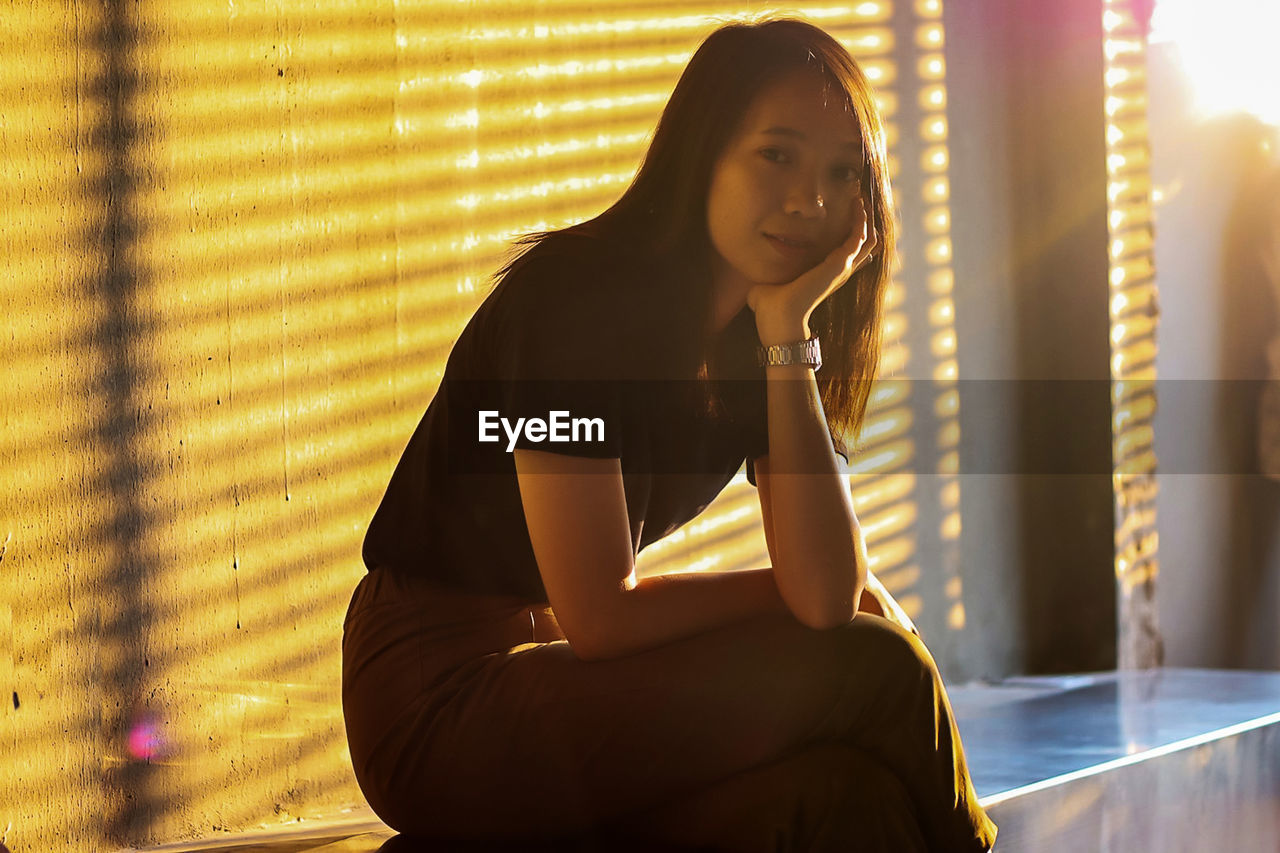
585,334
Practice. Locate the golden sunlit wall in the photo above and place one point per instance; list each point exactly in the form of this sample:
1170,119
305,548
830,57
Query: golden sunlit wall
239,242
1134,315
200,247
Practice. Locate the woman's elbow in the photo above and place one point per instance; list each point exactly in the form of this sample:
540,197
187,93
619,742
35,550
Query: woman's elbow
598,640
589,651
588,646
825,612
823,607
824,619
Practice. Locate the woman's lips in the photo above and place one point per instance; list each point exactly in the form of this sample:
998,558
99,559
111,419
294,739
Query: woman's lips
789,247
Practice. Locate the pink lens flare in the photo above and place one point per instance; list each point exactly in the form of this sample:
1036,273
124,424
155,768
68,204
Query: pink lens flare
145,742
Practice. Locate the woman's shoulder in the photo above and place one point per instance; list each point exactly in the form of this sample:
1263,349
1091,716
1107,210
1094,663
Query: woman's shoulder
577,279
568,311
576,263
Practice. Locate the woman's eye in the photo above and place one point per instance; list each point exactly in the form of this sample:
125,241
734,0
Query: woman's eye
773,155
849,174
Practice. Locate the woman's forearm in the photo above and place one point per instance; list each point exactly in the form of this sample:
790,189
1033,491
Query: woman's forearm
821,560
664,608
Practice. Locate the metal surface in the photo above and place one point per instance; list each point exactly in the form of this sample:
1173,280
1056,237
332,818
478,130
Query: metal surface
1167,760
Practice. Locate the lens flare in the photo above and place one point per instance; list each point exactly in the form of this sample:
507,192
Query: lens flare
145,741
1227,53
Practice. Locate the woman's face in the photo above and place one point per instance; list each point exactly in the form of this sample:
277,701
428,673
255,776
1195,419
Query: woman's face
784,192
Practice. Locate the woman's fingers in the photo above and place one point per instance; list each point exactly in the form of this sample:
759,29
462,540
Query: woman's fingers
861,227
868,249
857,248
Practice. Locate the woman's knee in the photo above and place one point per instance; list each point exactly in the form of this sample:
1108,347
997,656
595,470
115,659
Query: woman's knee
887,674
885,647
841,798
870,656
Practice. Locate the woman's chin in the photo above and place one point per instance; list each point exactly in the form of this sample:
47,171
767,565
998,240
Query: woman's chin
778,274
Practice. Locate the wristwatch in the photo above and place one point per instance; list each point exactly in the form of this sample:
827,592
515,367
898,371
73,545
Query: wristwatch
802,352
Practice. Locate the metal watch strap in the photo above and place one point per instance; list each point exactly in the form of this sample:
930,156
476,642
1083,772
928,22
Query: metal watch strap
801,352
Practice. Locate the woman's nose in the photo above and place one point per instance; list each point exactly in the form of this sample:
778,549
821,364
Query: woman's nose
805,198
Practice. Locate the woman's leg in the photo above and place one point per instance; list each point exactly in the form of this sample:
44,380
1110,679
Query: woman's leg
828,796
531,741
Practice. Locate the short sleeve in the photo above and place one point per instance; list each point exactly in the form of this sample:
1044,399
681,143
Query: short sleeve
757,444
560,359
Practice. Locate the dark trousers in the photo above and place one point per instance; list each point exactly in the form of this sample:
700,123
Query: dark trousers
763,735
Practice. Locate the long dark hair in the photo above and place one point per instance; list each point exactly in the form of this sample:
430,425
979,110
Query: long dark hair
662,216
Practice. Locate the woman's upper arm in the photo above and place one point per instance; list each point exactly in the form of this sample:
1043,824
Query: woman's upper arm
761,468
576,513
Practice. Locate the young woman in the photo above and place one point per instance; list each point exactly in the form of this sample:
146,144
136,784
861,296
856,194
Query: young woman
505,674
